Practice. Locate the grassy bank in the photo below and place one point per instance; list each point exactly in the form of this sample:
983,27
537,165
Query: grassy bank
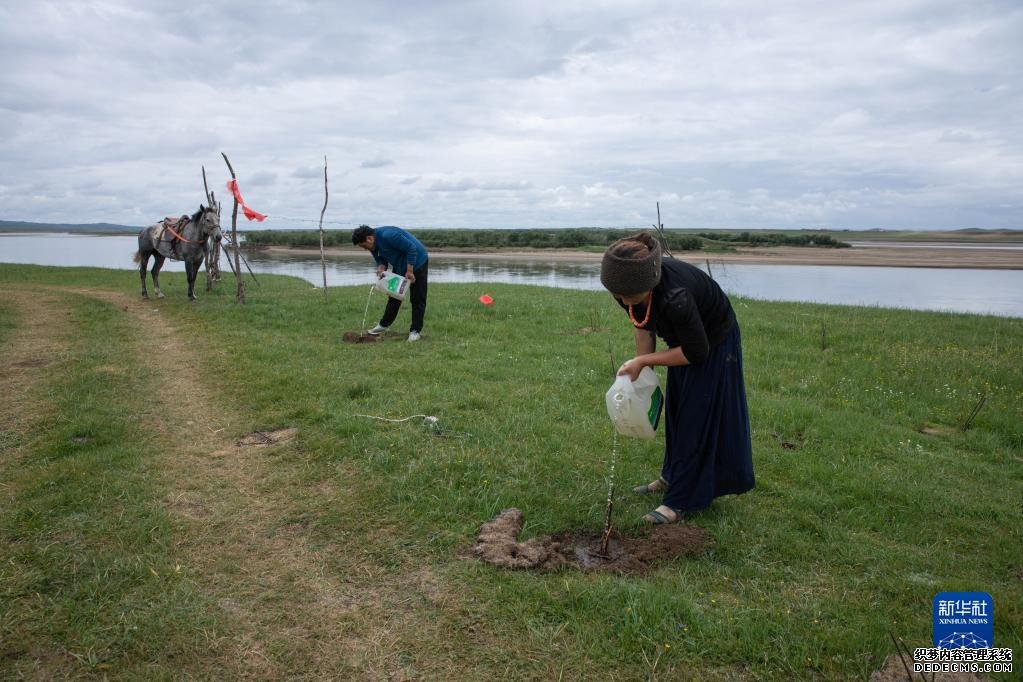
140,541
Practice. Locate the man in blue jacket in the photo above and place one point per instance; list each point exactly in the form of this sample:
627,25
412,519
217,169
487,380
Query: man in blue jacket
407,256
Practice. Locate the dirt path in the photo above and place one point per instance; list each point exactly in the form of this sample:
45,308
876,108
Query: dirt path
287,607
35,345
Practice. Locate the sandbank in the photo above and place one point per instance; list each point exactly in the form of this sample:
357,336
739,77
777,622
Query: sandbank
879,255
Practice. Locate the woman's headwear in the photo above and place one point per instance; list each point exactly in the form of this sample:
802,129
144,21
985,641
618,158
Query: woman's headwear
631,265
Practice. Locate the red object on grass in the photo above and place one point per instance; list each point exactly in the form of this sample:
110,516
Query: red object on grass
486,300
249,213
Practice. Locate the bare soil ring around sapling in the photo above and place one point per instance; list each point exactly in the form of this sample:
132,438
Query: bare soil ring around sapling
360,337
498,545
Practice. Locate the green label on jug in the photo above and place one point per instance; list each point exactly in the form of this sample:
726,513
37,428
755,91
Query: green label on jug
392,284
654,414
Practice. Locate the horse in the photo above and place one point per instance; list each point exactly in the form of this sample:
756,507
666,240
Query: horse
184,239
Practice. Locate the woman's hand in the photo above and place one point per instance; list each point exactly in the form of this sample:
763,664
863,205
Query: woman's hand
381,269
410,277
632,368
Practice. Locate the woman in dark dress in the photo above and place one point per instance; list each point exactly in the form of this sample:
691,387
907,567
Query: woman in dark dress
707,450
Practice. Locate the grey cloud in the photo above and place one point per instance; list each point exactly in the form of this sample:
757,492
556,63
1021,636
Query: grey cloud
545,113
505,185
306,172
377,162
261,179
462,185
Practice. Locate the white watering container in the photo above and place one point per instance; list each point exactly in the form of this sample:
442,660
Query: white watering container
635,406
392,284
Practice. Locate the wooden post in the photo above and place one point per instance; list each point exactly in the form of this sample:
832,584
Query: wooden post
323,262
234,237
213,253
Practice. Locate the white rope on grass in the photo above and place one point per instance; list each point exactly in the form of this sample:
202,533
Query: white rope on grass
427,419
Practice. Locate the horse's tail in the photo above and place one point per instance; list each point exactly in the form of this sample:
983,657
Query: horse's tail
137,257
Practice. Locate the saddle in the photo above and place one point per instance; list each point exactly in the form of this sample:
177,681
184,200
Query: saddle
166,241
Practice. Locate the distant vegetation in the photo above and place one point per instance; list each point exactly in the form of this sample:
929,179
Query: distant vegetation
572,238
773,239
94,228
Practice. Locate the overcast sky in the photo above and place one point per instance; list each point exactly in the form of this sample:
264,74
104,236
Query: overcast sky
788,114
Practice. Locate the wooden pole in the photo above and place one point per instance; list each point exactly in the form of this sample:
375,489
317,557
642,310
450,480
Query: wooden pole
213,254
609,508
323,262
234,237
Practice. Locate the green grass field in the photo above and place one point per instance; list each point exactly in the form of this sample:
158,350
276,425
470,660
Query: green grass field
139,542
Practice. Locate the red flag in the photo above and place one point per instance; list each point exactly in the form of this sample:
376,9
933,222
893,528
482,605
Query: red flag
232,185
486,300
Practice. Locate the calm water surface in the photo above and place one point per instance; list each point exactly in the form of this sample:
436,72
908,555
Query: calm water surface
997,292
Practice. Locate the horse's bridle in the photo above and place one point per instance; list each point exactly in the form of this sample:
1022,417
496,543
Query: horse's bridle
190,241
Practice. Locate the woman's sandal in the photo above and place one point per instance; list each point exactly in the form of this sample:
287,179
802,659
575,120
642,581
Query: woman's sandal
656,517
658,486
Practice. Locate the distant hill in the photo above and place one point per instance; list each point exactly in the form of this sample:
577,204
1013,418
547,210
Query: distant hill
96,228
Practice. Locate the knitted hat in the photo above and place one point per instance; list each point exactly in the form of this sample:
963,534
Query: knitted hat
628,268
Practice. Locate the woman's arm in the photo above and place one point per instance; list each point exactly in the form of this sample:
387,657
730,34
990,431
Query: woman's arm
646,341
646,356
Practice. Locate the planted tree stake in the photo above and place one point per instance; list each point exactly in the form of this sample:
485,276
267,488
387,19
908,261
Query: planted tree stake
609,509
234,237
980,404
213,254
610,494
323,262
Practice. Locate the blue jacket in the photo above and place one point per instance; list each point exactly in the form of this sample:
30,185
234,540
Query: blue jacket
396,247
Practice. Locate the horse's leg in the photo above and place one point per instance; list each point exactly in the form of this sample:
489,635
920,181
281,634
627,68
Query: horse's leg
157,264
191,270
143,265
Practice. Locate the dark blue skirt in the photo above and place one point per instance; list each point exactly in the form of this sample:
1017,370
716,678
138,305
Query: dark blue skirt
707,450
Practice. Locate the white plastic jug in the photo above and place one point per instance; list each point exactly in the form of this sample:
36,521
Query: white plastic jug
635,406
392,284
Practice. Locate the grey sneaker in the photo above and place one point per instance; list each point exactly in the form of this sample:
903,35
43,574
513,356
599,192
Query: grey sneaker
413,336
378,329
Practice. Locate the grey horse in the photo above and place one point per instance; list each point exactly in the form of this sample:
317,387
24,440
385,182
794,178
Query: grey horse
186,239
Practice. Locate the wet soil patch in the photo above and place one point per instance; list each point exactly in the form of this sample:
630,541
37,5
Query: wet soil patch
356,337
263,439
498,545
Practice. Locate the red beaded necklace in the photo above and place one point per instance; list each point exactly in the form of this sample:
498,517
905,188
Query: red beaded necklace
649,307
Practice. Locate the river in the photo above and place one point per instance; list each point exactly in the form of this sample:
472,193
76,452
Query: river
995,292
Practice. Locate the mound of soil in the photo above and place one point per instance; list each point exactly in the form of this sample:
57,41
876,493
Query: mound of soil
357,337
498,545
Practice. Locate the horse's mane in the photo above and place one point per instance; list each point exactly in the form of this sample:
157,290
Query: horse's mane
195,216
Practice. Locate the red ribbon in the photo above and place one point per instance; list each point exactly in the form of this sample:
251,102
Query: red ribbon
232,185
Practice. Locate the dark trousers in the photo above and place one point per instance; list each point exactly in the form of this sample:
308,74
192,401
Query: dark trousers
417,293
